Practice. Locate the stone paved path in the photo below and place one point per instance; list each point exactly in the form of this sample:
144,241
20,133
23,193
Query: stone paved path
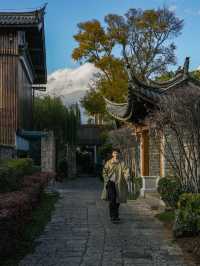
80,233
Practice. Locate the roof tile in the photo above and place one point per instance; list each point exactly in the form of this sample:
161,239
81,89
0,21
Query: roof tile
21,18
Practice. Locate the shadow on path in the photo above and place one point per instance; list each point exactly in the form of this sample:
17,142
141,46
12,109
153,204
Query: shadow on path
80,233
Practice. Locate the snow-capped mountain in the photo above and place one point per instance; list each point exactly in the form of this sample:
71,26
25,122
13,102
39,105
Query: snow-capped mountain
71,84
68,81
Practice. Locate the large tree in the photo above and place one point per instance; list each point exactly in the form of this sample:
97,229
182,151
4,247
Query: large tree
143,39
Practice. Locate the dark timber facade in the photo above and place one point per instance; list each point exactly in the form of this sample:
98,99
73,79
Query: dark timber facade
22,70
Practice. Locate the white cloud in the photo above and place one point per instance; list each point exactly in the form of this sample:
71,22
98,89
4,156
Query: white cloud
71,84
172,8
65,81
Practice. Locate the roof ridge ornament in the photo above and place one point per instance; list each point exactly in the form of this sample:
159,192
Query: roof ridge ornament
43,8
41,12
186,66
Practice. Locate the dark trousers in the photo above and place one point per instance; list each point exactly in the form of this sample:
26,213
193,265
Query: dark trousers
112,198
114,209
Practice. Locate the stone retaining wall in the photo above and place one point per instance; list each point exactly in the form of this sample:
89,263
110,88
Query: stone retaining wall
7,152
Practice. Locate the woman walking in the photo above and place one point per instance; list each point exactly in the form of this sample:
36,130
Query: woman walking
116,175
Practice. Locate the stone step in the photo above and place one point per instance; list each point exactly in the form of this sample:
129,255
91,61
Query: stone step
154,200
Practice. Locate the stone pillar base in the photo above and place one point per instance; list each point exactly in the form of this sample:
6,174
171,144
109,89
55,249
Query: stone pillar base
71,160
48,153
149,185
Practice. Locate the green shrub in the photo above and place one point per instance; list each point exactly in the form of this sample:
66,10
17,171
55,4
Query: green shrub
8,181
137,185
170,191
187,220
137,182
19,166
12,172
167,216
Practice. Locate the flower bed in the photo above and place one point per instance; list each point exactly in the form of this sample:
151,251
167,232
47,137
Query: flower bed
16,207
12,173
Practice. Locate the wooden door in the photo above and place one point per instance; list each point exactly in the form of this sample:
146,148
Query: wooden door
144,153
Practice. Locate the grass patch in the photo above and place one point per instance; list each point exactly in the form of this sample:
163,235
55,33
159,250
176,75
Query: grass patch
166,216
40,217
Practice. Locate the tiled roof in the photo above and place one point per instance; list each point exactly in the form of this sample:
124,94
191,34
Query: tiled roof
118,111
148,94
32,23
21,18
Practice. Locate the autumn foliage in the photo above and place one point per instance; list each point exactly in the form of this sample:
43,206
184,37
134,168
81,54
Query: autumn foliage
143,39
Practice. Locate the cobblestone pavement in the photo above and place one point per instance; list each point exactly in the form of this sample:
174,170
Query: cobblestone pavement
80,233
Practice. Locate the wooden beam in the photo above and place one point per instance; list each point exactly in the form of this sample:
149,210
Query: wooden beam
144,153
162,158
40,50
140,128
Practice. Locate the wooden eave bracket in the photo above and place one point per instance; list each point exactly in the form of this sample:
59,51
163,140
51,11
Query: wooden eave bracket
39,87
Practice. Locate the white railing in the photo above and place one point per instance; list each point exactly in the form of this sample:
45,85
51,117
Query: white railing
149,184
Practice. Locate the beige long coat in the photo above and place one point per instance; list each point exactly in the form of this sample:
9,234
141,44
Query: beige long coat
122,176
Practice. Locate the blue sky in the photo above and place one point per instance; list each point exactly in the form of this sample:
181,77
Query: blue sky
62,17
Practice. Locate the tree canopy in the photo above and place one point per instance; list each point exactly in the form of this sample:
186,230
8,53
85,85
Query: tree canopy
51,114
143,39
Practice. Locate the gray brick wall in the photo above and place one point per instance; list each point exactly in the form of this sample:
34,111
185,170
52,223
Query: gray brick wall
168,153
154,155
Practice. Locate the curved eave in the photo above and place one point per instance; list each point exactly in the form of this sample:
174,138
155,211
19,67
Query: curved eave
158,88
141,94
119,111
150,96
153,95
194,80
164,84
178,83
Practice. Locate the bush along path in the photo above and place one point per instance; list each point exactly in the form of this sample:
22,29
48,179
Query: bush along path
80,233
182,215
24,207
25,240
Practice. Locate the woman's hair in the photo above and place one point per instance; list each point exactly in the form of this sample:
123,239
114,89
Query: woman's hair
116,149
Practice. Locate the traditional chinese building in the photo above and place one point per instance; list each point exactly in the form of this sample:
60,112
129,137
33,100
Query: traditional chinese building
22,70
142,100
